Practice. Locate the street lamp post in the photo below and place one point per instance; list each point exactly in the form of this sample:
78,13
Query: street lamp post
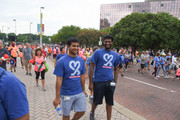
30,28
2,28
15,28
41,16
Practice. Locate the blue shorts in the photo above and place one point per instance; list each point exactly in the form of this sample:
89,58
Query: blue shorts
146,64
76,102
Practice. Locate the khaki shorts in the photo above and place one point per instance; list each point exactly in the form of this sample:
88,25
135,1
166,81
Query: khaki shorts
26,62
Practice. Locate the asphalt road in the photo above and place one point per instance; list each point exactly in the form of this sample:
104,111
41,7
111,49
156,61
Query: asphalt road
153,99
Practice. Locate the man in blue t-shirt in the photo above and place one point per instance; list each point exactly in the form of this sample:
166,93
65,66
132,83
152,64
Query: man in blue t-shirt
13,98
70,83
62,49
104,61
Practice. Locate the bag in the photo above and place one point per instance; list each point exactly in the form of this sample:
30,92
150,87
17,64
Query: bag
46,66
40,66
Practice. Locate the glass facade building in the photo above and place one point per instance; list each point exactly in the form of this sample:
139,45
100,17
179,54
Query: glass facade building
110,14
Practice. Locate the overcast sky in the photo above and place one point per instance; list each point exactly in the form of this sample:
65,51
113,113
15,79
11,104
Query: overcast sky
57,13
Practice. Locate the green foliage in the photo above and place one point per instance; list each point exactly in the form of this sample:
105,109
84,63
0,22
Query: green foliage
89,37
64,33
147,31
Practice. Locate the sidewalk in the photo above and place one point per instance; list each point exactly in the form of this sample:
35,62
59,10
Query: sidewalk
41,103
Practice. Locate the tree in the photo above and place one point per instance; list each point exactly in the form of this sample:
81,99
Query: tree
147,31
89,37
66,32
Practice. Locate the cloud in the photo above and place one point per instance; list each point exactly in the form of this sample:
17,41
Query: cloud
57,13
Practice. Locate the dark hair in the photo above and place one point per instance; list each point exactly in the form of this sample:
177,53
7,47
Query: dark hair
61,48
72,39
108,37
157,54
95,48
38,49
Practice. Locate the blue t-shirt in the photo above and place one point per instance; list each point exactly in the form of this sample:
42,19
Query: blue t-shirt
88,62
104,61
59,56
162,59
156,59
12,96
70,69
121,59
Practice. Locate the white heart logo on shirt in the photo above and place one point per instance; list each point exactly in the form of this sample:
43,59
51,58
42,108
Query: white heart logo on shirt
75,67
108,58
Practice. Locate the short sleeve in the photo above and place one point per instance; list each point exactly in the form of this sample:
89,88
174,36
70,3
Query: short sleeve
59,69
83,68
95,57
57,57
88,61
16,102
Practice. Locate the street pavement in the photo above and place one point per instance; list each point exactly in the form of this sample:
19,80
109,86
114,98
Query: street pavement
152,99
41,102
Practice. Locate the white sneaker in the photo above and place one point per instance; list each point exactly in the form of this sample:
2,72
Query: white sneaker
158,76
167,77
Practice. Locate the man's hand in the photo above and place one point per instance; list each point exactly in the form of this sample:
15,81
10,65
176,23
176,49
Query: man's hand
56,102
85,93
86,76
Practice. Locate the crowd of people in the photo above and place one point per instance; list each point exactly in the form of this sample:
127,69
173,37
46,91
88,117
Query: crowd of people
72,65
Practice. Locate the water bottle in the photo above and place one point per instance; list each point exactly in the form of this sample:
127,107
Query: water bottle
59,110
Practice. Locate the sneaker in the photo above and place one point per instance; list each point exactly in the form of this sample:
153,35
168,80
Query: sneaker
90,99
30,74
126,70
122,75
167,77
91,116
27,73
22,67
158,76
44,89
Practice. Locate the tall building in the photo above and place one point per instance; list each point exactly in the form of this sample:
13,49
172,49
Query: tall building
110,14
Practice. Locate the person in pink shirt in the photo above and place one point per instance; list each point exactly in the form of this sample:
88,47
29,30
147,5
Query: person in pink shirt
39,67
177,73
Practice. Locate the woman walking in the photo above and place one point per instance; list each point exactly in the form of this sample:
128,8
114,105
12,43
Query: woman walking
39,67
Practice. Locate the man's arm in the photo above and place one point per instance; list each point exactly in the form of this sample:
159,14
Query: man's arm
25,117
115,73
91,76
86,74
55,63
83,84
58,91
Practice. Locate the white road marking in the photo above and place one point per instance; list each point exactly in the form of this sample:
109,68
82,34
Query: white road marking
149,84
